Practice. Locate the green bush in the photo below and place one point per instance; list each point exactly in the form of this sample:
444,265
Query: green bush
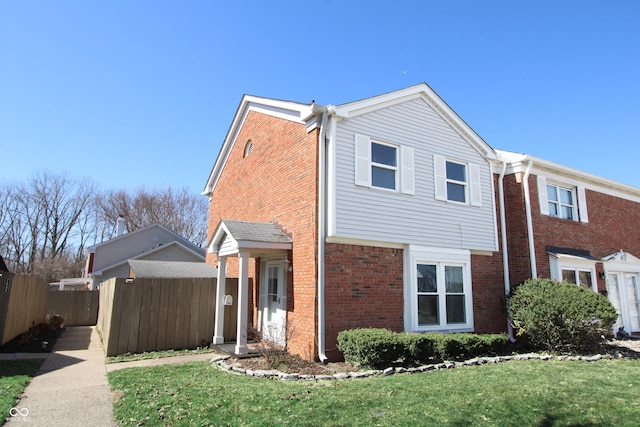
560,317
380,348
375,348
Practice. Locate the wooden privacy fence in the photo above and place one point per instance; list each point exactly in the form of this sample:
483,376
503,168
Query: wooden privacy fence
78,308
152,314
23,303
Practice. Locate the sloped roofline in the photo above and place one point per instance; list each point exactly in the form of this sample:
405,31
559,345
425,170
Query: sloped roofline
517,162
424,91
193,248
151,251
288,110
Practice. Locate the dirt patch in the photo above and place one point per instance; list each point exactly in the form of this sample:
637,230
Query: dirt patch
38,339
291,365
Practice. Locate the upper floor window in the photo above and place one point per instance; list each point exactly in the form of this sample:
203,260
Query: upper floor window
562,201
457,181
383,165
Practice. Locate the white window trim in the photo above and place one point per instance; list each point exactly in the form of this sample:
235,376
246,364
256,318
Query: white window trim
472,186
560,262
404,169
577,192
440,257
386,166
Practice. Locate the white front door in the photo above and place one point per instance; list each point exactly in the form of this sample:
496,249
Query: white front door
273,303
624,294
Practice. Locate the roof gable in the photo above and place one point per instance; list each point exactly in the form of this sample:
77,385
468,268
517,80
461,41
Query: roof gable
423,91
286,110
131,245
199,255
231,237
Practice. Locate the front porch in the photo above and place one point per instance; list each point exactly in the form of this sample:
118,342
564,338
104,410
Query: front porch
247,240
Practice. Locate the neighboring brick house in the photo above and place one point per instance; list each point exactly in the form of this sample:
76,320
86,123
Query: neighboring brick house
375,213
570,225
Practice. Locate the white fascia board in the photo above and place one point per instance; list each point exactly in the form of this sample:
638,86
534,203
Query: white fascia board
556,172
353,109
286,110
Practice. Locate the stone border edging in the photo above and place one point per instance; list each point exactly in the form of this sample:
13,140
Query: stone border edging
221,363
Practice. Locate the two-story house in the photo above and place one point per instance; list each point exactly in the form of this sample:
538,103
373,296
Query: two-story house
566,224
375,213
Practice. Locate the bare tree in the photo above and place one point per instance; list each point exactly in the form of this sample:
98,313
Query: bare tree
47,223
179,210
46,229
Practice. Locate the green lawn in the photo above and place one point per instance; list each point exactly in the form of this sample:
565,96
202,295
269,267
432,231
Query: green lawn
517,393
14,378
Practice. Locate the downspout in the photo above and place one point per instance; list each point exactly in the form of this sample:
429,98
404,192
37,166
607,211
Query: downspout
321,231
527,206
505,252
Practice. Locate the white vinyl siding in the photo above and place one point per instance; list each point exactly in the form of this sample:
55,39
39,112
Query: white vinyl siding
393,217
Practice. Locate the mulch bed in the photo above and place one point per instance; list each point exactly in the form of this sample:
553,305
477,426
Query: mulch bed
38,339
628,349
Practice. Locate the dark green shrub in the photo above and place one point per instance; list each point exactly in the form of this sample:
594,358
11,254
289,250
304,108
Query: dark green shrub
418,348
560,317
380,348
376,348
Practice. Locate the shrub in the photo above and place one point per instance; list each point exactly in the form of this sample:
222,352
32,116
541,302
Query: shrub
379,348
560,317
375,348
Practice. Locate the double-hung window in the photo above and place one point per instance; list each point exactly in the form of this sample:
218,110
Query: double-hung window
560,200
383,165
442,292
457,181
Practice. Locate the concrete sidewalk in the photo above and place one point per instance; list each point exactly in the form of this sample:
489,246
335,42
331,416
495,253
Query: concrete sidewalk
71,387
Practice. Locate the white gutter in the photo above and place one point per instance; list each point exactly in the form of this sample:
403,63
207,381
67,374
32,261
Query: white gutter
321,232
527,205
505,252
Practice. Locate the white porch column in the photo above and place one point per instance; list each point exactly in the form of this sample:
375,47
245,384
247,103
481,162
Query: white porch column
243,302
218,331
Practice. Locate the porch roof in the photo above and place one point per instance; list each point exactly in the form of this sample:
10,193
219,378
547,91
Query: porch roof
231,237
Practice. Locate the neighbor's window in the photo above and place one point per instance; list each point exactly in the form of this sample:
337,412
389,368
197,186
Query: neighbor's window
578,277
384,165
441,295
456,182
562,202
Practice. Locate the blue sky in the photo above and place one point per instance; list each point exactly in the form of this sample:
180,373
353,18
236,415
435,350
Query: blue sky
142,93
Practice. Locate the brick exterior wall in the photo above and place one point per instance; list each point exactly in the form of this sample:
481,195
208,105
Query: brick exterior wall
276,183
611,227
489,302
363,289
